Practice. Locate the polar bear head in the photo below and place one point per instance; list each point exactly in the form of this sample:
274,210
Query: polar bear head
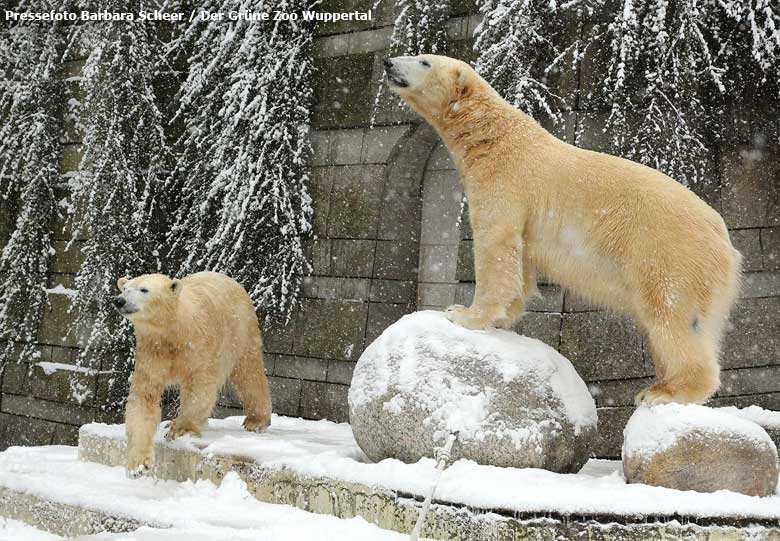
433,85
146,298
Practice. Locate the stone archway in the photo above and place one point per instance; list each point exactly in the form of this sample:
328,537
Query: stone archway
441,271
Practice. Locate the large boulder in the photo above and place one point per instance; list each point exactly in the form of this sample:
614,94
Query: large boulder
514,401
691,447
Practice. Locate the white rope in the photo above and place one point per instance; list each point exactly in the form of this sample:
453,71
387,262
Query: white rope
442,457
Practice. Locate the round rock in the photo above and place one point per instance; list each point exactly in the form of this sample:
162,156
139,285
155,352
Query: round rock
691,447
514,401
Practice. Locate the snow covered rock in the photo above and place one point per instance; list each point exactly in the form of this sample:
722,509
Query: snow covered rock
691,447
769,420
513,400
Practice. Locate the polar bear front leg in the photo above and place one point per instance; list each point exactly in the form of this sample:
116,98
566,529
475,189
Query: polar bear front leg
142,417
499,296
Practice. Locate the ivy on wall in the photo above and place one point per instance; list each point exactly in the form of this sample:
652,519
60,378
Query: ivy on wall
420,27
669,68
520,49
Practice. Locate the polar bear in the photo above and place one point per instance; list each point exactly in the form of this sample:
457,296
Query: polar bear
198,333
620,234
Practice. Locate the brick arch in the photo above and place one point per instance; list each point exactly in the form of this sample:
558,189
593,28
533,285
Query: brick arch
400,229
444,247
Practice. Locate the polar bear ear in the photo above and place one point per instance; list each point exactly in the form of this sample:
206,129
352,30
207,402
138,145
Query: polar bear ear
121,283
175,286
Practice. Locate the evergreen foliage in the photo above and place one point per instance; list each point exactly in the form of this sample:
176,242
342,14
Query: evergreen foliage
243,205
115,190
30,126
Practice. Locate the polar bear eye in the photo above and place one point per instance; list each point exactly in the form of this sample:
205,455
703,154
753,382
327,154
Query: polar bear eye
143,290
425,63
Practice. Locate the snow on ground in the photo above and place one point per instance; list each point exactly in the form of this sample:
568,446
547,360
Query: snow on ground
13,530
202,532
221,512
325,449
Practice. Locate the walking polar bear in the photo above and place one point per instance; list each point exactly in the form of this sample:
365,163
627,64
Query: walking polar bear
198,333
620,234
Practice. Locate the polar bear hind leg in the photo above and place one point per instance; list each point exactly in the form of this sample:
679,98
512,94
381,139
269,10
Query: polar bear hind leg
197,395
686,360
685,347
252,385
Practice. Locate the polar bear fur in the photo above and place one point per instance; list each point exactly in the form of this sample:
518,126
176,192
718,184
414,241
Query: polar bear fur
197,333
622,235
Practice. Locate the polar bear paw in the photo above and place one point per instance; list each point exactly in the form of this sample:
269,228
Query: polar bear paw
254,424
178,429
656,395
466,317
139,464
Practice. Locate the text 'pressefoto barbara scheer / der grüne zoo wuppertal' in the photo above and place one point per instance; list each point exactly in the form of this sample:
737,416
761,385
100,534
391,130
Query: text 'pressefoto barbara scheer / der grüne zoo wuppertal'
206,16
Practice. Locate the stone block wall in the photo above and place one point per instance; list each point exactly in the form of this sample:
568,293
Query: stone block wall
387,200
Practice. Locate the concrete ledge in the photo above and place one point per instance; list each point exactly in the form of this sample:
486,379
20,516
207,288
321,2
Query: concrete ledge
59,518
393,510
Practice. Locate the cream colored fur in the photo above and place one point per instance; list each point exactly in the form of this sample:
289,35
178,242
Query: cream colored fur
620,234
197,333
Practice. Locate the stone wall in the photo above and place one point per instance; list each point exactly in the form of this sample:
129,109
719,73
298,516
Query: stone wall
386,203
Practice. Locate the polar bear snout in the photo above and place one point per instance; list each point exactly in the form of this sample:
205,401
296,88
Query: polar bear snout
123,306
394,76
406,71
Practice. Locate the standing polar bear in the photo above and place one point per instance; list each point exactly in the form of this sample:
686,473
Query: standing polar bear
620,234
197,333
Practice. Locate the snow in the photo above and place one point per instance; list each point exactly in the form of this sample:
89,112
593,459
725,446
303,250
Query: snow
454,405
766,418
288,439
196,510
14,530
59,289
654,429
50,368
318,449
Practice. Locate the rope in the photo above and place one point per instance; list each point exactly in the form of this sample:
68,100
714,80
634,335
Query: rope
442,457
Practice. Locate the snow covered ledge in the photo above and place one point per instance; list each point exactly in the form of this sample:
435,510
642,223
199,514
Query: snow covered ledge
317,466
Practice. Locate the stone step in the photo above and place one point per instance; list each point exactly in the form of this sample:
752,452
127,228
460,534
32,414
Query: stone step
309,465
61,518
51,490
